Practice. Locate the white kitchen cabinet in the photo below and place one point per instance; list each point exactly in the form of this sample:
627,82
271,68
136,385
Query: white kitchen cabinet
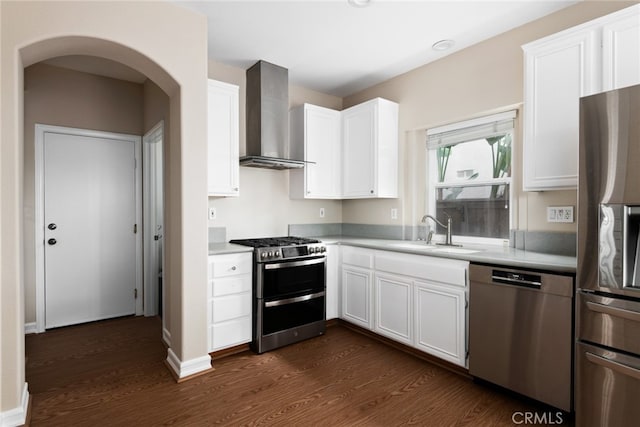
223,139
333,282
357,286
621,50
440,316
356,295
602,54
229,300
316,138
370,150
417,300
393,297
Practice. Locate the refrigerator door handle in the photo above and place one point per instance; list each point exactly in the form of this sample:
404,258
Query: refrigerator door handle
614,311
615,366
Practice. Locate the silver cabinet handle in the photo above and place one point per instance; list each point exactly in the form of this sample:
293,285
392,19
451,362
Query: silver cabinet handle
615,366
614,311
233,268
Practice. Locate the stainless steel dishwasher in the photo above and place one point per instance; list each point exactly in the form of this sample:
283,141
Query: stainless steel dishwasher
521,332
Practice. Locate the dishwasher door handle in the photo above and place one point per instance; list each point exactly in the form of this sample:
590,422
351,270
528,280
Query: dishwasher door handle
517,281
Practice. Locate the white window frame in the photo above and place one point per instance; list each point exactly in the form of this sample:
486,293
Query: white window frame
432,170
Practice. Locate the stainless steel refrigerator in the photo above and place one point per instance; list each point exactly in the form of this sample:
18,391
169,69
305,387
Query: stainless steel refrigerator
607,368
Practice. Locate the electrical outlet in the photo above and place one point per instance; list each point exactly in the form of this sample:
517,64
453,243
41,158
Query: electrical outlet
560,214
212,213
394,213
321,212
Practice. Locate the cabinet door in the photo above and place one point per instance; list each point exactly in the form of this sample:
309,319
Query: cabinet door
393,315
333,281
356,295
359,151
621,51
323,152
558,71
440,321
223,139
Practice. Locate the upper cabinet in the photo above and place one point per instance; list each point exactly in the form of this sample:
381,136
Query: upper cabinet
316,138
223,138
349,154
370,150
603,54
621,50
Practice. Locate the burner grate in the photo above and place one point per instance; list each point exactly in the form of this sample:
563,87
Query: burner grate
267,242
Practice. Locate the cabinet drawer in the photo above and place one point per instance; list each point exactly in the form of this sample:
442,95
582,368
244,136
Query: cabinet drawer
452,272
230,285
230,265
227,334
357,256
230,307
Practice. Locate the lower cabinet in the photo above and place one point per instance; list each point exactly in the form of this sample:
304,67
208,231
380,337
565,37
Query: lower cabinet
230,301
417,300
356,295
393,297
333,281
440,321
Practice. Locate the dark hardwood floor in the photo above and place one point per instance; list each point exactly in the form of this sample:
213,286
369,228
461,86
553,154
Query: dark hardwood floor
112,373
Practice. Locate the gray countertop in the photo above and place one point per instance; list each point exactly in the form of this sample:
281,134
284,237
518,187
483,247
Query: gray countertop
227,248
485,254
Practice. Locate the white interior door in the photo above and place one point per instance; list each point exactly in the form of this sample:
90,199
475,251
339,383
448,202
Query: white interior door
153,219
89,220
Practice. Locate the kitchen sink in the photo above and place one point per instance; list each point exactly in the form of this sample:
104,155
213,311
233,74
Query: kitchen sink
421,246
417,246
455,250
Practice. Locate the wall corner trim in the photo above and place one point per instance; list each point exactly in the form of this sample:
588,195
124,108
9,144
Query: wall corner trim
17,416
189,367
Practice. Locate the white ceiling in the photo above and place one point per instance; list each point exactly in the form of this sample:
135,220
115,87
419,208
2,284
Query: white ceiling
335,48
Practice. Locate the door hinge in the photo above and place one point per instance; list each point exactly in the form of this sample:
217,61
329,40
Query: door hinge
135,228
135,294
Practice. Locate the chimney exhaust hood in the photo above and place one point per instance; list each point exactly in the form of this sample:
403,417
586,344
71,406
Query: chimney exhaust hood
268,118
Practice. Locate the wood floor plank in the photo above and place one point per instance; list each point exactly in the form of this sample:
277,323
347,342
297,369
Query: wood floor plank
112,373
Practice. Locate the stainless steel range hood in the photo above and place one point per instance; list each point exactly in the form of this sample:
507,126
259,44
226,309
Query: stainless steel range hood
268,118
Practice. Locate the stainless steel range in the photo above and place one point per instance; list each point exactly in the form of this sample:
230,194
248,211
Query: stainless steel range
289,284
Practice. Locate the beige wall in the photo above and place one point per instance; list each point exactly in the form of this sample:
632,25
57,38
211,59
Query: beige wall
174,58
61,97
264,207
483,78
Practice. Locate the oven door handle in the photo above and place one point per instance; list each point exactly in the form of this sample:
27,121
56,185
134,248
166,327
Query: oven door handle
613,365
295,263
294,300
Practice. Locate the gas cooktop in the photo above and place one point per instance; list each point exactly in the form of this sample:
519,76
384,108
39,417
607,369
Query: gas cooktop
288,247
270,242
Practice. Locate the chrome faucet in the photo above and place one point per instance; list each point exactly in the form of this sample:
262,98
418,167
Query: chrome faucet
448,227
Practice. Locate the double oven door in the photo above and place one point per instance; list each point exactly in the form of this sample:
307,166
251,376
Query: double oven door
290,302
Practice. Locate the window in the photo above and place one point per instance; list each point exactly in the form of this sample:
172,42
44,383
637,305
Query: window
470,176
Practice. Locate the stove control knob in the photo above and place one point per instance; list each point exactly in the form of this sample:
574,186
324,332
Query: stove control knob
276,254
323,249
263,255
270,254
312,250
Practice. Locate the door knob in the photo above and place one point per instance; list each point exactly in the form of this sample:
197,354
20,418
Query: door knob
52,241
52,226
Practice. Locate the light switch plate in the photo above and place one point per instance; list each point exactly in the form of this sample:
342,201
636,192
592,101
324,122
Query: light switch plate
394,213
321,212
212,213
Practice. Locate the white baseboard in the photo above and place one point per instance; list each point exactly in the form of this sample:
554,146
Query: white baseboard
30,328
16,416
166,337
188,368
